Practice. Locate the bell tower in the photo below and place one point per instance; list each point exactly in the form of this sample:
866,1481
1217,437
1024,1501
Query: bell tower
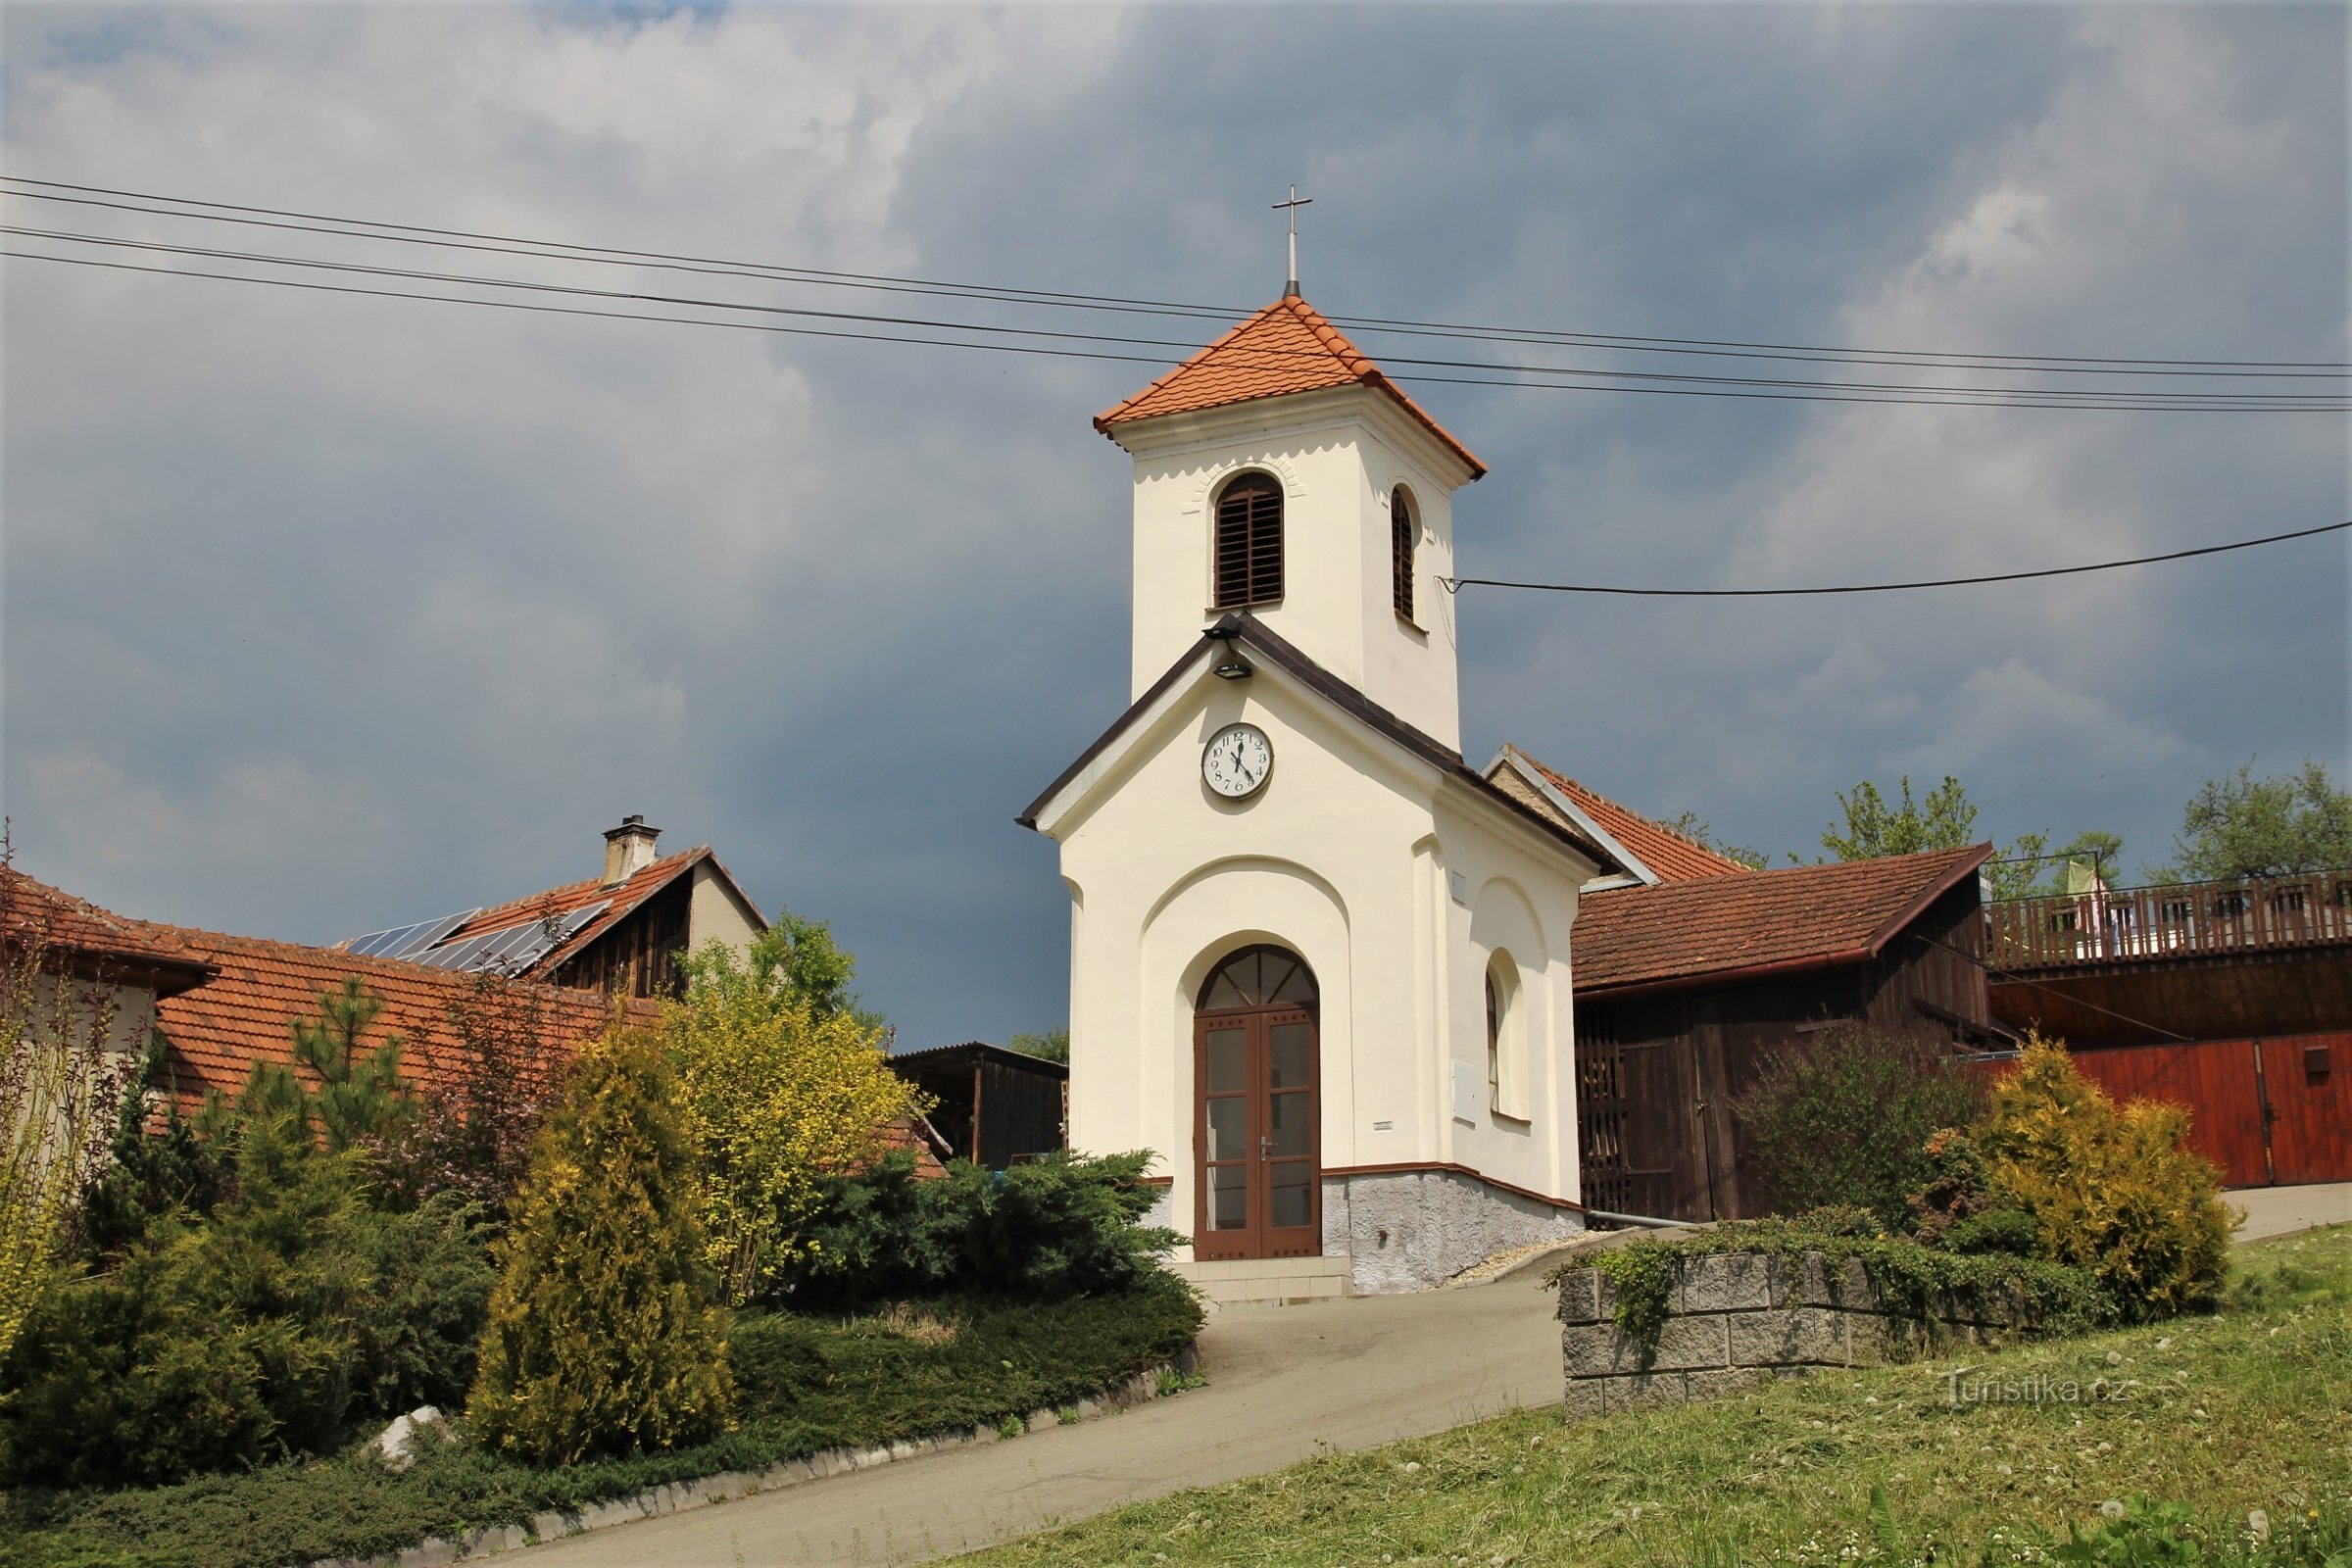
1277,472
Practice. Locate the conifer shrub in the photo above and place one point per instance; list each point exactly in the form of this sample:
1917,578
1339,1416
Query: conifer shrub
272,1324
1844,1118
1058,1227
605,1335
2112,1189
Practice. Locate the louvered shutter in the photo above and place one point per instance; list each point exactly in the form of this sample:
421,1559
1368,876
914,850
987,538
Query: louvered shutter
1248,562
1403,535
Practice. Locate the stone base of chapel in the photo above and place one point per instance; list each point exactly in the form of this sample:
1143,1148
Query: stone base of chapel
1387,1232
1409,1230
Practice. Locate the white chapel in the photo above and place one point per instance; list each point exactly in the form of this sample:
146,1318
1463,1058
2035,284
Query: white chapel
1318,963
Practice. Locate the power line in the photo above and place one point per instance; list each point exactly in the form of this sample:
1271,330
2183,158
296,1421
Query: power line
1457,584
1012,295
1965,396
1921,397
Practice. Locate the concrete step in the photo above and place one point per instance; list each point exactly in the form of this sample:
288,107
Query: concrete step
1268,1280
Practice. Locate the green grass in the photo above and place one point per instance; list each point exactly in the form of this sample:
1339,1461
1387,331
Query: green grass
2247,1410
804,1385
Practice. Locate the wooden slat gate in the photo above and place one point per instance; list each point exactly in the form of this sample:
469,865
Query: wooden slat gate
2273,1111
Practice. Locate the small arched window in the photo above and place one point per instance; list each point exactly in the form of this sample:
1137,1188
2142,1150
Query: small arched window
1403,534
1495,1004
1249,562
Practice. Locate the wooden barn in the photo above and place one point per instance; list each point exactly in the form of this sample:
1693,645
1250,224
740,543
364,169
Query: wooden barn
1685,988
2233,998
997,1107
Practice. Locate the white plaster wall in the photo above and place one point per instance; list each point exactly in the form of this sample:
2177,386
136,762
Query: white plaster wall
1337,456
1344,857
714,914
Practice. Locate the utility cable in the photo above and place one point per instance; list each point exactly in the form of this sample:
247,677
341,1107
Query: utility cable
1921,397
2205,402
1457,584
1007,294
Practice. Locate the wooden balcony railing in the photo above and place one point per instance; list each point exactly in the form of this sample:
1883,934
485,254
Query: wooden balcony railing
2121,924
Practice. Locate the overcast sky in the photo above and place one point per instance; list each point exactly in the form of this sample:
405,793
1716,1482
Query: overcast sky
325,612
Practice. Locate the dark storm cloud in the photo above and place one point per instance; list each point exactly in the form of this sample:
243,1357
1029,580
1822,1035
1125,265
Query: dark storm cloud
324,614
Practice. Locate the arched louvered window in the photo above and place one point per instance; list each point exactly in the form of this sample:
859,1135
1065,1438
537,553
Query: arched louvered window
1403,534
1249,564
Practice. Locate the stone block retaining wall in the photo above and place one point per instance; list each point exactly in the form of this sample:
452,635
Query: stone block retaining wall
1737,1320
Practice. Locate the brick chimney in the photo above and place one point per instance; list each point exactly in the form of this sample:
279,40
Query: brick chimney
628,848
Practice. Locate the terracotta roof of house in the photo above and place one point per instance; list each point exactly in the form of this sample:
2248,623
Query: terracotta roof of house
1674,858
244,1014
1715,929
31,911
215,1034
1288,347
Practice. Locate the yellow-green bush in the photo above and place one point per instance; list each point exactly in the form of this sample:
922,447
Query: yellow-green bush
605,1335
2113,1190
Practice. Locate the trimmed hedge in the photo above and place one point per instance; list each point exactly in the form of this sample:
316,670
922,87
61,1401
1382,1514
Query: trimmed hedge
803,1385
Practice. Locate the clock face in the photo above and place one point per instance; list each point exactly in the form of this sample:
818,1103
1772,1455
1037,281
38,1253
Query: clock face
1237,761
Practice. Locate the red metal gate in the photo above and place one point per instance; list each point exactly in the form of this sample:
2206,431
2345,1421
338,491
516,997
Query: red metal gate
2271,1112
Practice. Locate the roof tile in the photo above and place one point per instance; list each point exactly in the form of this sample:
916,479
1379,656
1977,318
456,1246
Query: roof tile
1286,348
1719,925
1674,858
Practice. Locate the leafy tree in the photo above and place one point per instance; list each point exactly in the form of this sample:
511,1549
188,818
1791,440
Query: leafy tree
2239,826
793,956
1697,830
1945,820
1051,1046
62,1082
606,1334
1844,1118
472,1127
778,1091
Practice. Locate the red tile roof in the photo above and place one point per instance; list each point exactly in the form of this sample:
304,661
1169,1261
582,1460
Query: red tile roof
32,911
1674,858
1288,347
215,1033
1718,928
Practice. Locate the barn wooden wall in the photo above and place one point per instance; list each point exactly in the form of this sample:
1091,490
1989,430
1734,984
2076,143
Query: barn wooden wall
1658,1074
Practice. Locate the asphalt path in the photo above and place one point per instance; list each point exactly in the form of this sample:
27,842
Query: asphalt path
1283,1383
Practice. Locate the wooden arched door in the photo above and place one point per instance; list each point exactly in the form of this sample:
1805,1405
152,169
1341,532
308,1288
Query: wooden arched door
1256,1122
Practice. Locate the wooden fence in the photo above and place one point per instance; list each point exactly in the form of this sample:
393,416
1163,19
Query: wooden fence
2274,1112
2187,918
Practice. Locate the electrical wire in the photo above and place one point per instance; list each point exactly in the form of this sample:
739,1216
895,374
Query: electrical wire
1863,393
1007,294
1457,584
2204,402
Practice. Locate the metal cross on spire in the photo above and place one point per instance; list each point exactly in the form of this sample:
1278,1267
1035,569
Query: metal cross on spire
1290,287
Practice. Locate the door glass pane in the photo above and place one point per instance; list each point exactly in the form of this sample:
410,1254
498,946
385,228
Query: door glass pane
1228,1128
1228,1198
1291,1194
1292,1135
1294,1055
1221,994
1228,1061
